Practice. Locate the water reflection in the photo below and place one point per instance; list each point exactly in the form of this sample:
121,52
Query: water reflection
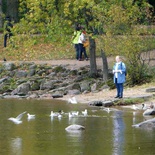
16,146
103,134
118,134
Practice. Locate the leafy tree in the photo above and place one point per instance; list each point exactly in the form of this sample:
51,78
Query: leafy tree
54,20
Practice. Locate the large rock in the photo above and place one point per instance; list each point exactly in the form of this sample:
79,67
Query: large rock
21,73
31,72
22,89
150,90
85,85
73,92
48,84
57,94
9,66
3,79
93,87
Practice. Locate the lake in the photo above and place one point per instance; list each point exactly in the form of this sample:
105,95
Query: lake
105,133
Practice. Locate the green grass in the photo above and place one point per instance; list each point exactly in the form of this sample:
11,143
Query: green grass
39,47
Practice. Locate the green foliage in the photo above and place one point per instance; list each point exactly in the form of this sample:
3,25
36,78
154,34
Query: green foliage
45,28
129,101
4,6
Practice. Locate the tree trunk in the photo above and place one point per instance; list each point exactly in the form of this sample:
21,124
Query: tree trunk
12,9
1,19
92,51
105,66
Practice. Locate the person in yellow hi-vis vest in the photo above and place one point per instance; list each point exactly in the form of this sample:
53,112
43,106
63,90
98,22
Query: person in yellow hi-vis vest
75,39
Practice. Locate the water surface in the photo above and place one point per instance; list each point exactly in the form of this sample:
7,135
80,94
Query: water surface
105,134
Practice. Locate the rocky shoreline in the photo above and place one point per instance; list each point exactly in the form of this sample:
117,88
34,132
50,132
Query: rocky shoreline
45,81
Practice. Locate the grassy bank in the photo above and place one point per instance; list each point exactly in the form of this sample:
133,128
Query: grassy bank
38,47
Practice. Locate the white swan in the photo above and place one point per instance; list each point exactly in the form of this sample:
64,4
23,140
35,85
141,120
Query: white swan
72,100
17,120
74,127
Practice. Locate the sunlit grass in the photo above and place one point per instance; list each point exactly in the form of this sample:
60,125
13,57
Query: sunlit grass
36,48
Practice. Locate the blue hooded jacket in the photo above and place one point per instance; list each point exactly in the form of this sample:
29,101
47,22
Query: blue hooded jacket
122,74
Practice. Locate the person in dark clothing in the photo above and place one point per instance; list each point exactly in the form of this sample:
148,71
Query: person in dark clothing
7,30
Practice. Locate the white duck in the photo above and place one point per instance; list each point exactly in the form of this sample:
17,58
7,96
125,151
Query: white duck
17,120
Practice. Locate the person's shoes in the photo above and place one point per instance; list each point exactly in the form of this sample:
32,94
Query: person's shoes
4,59
120,97
116,96
86,59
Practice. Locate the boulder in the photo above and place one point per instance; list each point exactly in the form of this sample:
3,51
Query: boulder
33,66
93,87
74,127
73,92
21,73
48,84
84,86
31,72
22,89
57,94
150,90
3,79
9,66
